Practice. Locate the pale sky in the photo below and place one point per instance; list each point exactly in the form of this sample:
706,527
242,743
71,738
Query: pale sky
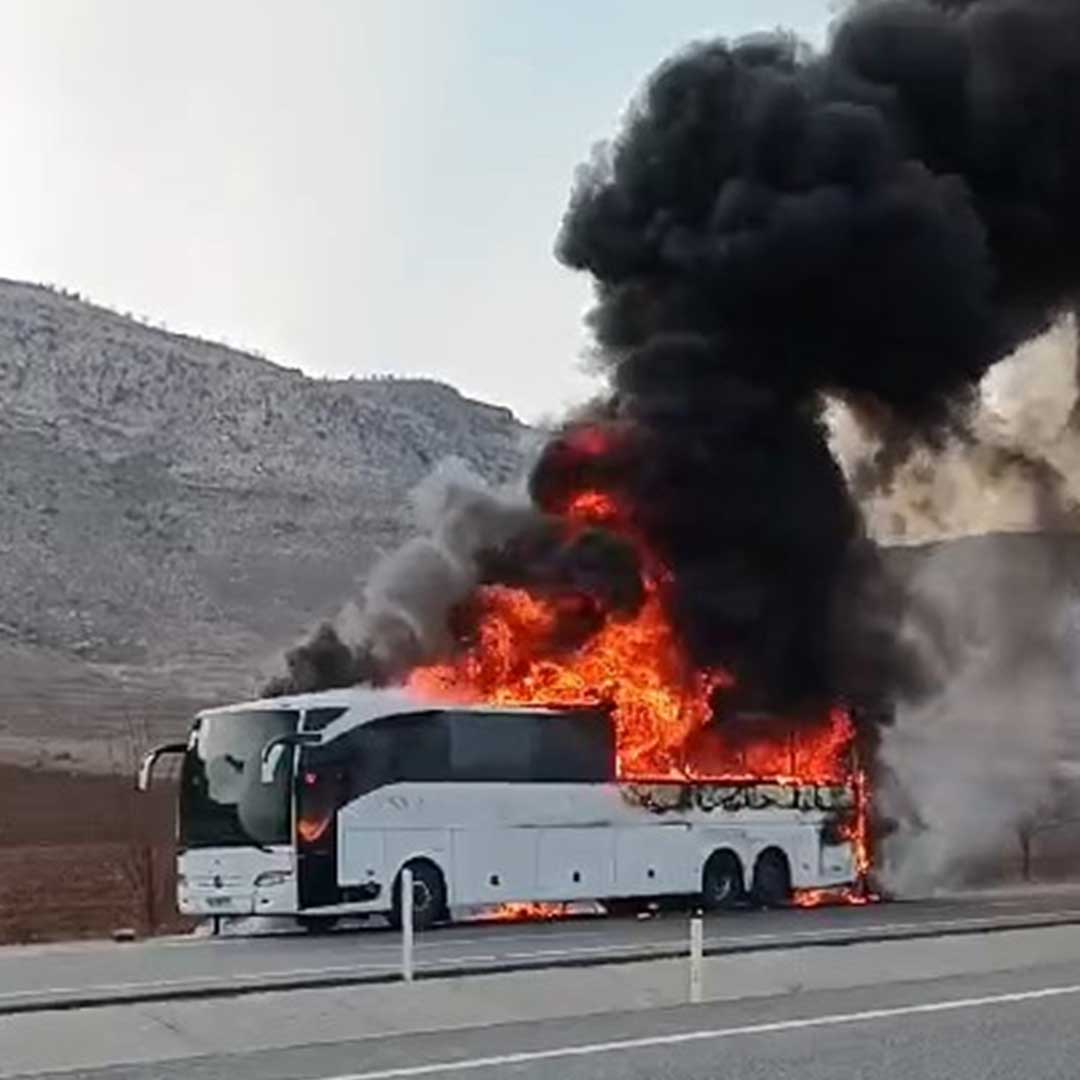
348,186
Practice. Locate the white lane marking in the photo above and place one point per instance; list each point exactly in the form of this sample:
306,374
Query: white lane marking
1006,921
675,935
623,1045
254,978
301,940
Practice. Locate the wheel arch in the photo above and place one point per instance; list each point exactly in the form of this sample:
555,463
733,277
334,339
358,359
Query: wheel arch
428,863
723,879
724,853
772,855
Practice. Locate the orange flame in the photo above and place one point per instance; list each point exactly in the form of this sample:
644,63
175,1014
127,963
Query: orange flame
635,665
531,911
593,506
662,705
858,832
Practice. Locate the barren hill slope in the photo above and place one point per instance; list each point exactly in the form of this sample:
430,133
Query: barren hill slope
174,512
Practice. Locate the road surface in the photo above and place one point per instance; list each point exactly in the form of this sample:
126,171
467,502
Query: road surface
73,975
955,1007
1002,1027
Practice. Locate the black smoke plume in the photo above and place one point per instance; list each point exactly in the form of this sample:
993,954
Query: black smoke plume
323,662
770,228
882,224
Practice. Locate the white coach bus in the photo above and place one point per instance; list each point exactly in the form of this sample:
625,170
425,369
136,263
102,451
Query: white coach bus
312,805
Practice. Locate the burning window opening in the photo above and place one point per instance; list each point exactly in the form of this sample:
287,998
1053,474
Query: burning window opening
668,716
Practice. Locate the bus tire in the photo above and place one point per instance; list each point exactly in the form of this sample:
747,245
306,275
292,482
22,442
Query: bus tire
429,896
722,881
317,924
772,879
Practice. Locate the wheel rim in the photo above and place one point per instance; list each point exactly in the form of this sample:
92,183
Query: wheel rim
421,896
721,884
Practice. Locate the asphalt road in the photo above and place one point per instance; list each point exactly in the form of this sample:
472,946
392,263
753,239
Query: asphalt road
58,976
990,1027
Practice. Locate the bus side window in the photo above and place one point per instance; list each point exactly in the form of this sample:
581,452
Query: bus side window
317,719
370,762
395,749
491,747
574,747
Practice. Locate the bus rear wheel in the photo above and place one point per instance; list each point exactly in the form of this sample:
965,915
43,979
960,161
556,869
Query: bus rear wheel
722,881
772,879
429,896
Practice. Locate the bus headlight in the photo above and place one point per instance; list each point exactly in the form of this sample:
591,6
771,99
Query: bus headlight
273,877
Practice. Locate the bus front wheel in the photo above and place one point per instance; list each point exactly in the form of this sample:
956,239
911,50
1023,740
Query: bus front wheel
429,896
722,881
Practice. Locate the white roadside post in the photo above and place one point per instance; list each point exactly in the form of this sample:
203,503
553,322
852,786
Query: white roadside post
407,925
697,950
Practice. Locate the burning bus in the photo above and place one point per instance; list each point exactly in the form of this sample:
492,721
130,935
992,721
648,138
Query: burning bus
560,751
312,805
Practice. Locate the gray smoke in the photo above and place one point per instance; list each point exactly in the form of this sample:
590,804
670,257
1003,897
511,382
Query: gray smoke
980,754
969,767
403,618
409,597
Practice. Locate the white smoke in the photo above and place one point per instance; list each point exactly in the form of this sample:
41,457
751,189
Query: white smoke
1020,472
979,761
993,612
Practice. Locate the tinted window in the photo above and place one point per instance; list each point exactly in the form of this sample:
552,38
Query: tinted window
570,747
575,747
492,747
317,719
389,750
454,746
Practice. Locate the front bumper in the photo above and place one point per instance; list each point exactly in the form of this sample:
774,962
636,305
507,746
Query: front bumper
191,902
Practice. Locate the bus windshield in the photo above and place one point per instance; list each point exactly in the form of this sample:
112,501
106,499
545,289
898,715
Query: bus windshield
223,802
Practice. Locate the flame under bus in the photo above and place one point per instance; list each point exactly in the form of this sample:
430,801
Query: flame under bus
311,805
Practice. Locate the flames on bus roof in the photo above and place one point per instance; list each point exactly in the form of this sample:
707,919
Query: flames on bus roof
772,227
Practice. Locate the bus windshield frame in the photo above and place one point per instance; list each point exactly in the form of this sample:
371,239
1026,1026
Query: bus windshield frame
223,801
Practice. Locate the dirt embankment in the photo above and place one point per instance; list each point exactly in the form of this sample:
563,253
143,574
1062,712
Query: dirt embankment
82,855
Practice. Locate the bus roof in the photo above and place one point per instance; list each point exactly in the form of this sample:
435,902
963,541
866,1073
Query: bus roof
366,703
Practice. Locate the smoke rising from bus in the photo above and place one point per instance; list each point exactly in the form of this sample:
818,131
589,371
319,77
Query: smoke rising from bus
772,230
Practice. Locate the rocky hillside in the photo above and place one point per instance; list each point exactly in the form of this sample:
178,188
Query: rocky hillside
173,512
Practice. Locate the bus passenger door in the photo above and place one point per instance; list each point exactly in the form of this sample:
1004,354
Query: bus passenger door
320,790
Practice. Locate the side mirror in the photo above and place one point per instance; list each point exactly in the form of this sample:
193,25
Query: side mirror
272,751
149,760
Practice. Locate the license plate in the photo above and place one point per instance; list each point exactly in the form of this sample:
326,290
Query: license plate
219,901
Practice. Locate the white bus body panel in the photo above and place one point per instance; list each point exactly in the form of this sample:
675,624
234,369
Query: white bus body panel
503,842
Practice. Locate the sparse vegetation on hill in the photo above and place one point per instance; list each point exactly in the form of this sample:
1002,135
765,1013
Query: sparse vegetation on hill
173,512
